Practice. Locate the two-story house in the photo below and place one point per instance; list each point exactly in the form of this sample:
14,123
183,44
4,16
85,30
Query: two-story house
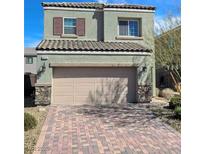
96,53
30,61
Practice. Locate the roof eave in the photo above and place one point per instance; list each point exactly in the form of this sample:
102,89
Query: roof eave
102,6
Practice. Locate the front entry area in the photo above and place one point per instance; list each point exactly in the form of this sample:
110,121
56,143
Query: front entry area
93,85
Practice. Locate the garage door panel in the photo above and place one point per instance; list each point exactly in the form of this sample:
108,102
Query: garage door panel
63,93
83,80
64,87
64,81
84,91
81,99
76,86
67,90
84,84
119,88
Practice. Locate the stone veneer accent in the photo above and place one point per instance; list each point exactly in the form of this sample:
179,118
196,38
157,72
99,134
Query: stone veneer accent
43,95
144,93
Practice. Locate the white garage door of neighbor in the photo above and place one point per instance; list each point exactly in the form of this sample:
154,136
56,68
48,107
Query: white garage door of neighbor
78,86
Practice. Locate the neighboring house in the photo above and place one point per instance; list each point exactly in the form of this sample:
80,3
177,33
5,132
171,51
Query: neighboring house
30,58
169,42
96,53
30,61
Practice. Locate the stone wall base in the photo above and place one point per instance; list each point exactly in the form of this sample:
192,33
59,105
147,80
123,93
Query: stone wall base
144,93
43,95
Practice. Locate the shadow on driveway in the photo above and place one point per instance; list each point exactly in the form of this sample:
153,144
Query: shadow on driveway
106,129
137,115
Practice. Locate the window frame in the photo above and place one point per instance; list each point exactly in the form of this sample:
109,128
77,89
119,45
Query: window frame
139,33
27,60
70,26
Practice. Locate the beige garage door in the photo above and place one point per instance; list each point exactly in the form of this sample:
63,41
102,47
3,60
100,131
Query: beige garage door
77,86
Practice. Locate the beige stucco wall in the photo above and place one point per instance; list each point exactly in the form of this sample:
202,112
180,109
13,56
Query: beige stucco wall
147,31
111,26
93,23
30,68
143,77
102,25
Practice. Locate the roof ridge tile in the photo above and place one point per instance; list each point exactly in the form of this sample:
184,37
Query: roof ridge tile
96,5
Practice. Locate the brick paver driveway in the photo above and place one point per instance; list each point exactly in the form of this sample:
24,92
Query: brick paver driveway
97,129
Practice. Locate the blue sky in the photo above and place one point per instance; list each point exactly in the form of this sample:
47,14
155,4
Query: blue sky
33,14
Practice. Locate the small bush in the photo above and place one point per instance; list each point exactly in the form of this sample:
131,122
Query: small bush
166,93
175,101
29,121
177,112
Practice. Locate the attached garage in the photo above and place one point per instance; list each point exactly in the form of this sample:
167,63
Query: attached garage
93,85
77,72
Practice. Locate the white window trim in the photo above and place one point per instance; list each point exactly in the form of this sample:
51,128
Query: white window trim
69,26
121,19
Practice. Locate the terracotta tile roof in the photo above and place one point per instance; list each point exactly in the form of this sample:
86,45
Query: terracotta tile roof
81,45
96,5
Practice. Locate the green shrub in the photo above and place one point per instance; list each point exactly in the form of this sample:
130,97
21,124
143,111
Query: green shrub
177,112
175,101
29,121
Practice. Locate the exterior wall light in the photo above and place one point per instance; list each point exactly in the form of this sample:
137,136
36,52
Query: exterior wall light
43,67
144,68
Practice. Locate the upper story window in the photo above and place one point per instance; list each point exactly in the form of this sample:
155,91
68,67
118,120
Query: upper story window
69,26
129,27
29,60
